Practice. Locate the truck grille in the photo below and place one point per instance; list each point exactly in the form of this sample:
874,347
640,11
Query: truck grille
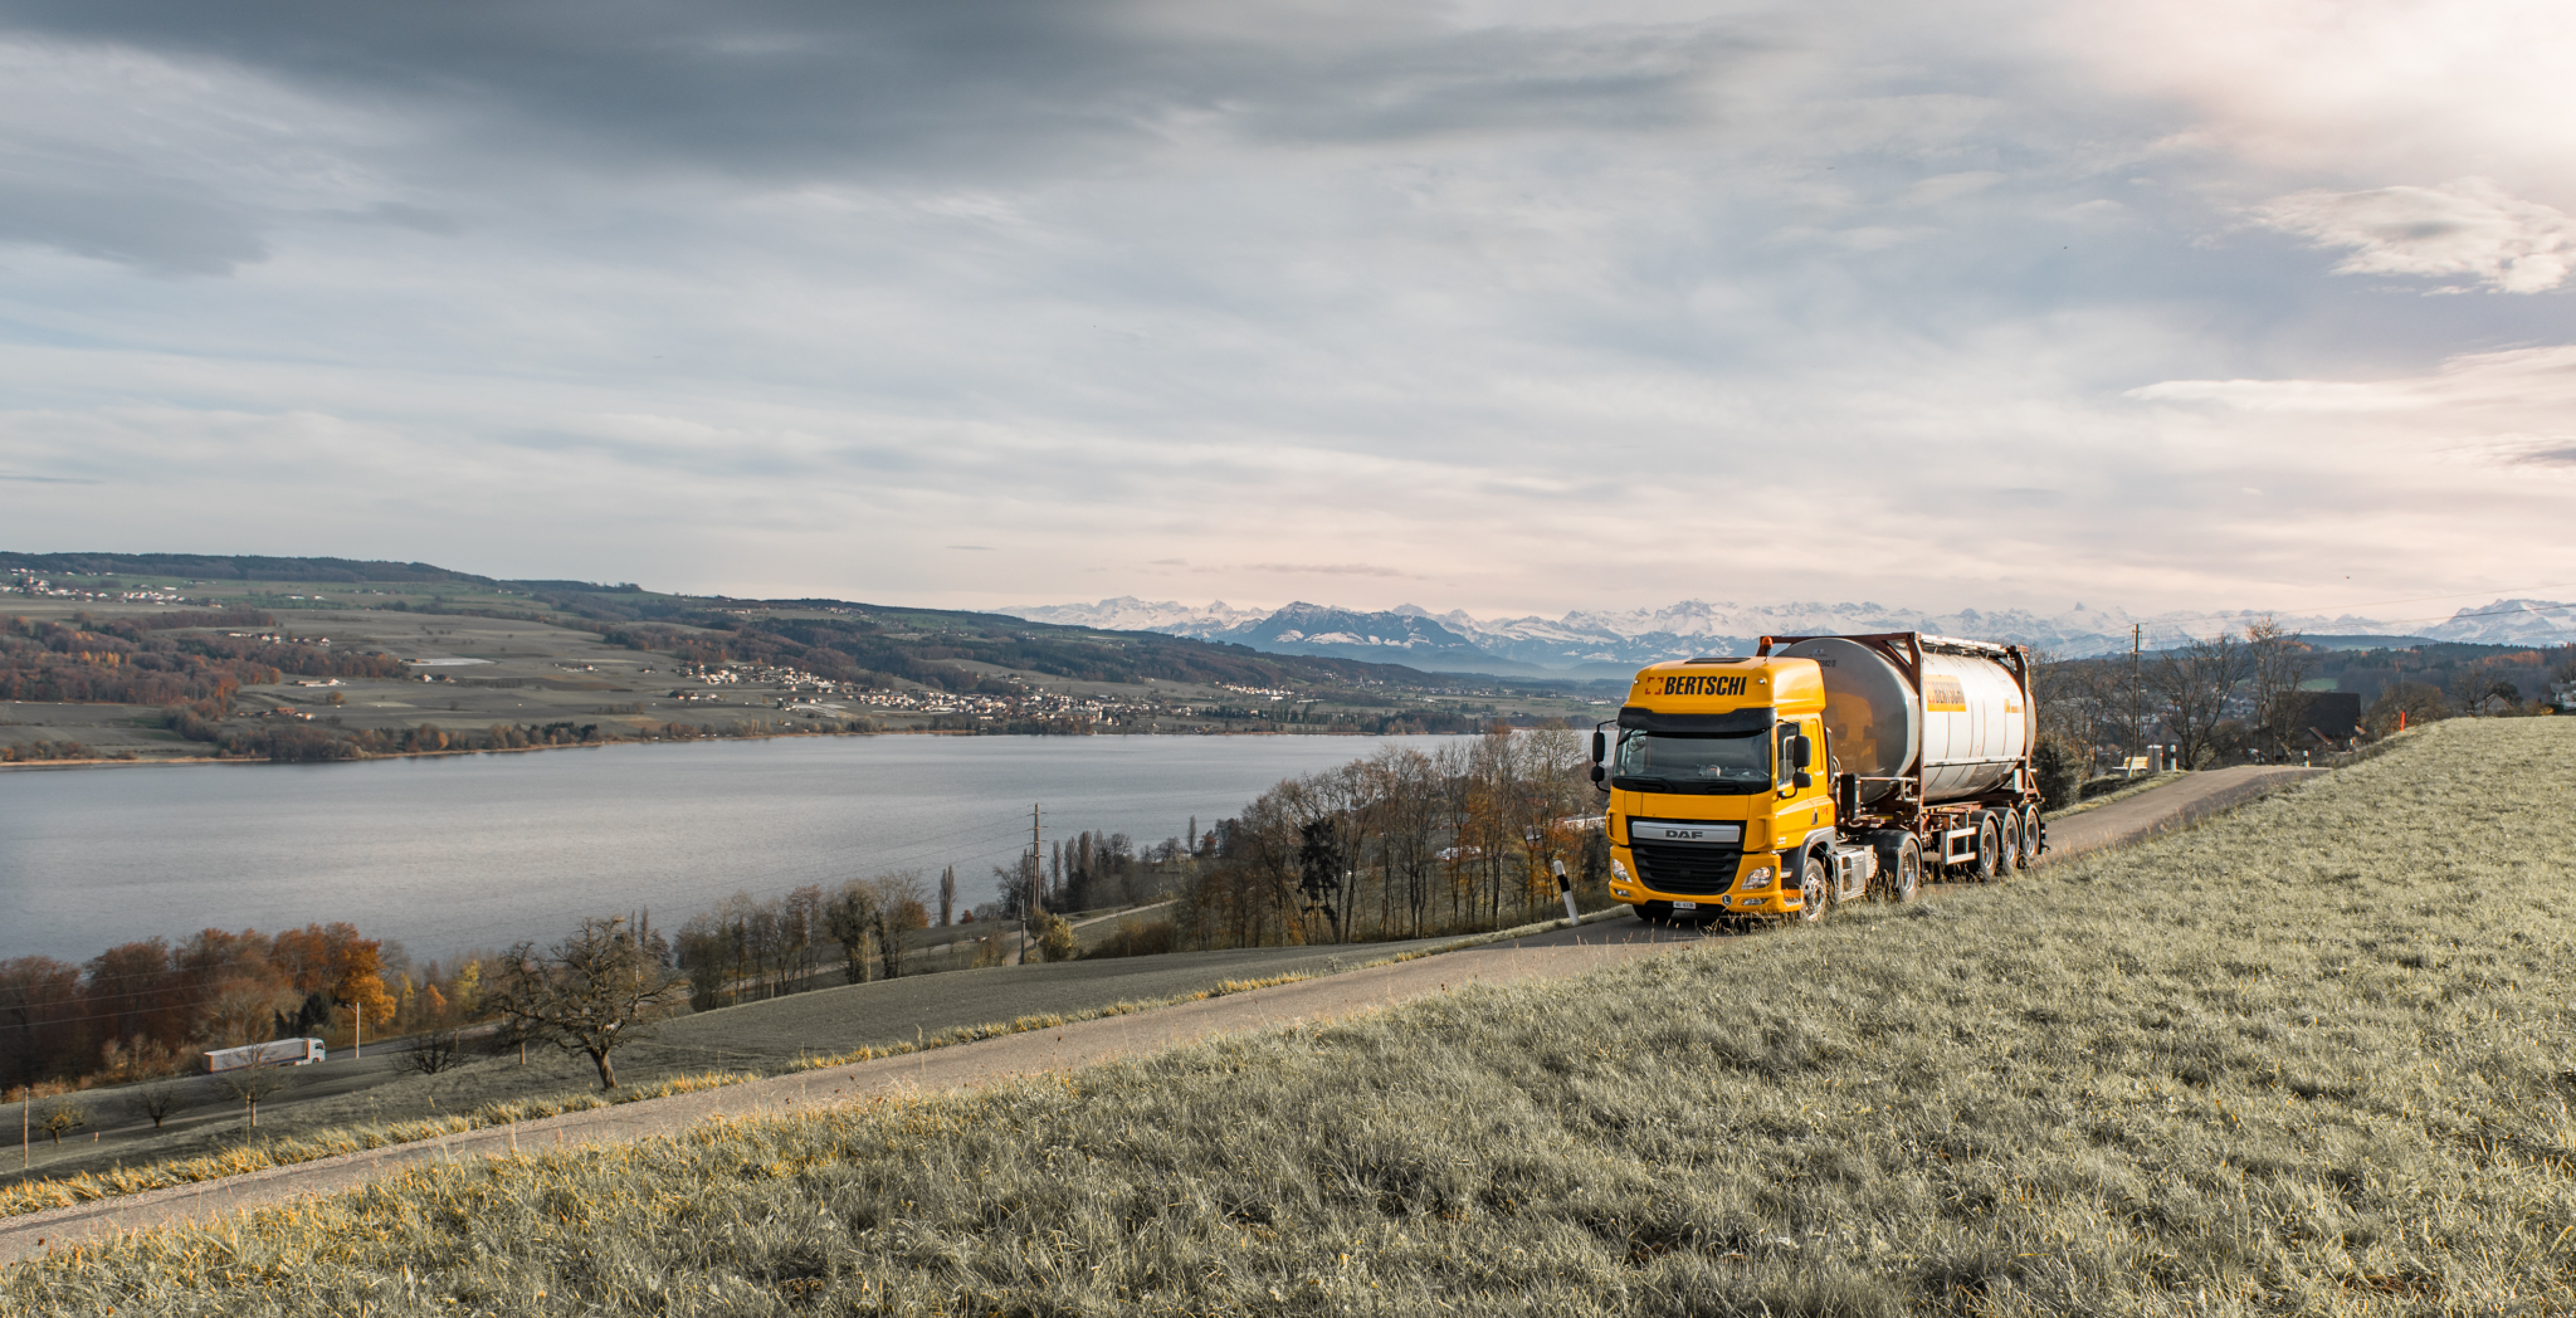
1686,870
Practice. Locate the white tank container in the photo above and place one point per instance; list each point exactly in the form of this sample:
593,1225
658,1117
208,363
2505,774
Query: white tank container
1968,727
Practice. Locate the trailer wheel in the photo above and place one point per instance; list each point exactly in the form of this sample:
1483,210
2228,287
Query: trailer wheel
2008,856
1988,860
2030,835
1900,865
1814,888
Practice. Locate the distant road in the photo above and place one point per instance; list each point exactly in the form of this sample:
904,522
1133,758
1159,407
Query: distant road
1552,954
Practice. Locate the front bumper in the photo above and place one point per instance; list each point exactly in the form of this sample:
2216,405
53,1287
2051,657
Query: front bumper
1774,897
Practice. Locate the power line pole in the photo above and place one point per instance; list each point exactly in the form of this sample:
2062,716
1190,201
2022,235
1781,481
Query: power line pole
1029,876
2137,712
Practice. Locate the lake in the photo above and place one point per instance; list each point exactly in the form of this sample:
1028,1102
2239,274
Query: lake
447,853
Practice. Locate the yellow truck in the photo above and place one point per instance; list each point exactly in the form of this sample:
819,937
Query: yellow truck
1819,770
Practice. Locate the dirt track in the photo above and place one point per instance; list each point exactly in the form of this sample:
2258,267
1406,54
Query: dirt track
1555,954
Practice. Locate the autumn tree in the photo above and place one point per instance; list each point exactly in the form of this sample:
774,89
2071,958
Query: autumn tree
62,1115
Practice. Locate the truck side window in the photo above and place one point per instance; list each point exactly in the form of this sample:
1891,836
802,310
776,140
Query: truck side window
1786,760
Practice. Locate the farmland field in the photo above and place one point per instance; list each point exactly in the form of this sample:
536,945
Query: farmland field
2311,1057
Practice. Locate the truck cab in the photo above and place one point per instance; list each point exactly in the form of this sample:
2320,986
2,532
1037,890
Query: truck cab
1720,795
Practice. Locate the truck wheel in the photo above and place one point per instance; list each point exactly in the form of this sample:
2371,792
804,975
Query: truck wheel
1905,871
2030,835
1814,888
1989,857
2008,855
1900,865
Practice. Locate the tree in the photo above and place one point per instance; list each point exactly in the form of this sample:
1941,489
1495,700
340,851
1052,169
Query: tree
2405,705
1055,938
592,993
433,1053
1320,869
158,1098
2194,684
896,896
62,1115
2280,662
947,895
250,1084
850,918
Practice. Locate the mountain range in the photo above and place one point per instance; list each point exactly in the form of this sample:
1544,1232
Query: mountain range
1604,643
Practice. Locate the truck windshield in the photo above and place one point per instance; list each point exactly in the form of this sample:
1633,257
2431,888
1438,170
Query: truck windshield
1667,762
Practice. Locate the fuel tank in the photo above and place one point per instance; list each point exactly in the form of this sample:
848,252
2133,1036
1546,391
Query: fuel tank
1967,724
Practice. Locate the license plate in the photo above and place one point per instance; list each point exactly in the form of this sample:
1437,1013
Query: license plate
1685,906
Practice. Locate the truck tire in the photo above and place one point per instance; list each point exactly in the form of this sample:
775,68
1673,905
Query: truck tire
1900,865
1815,888
1987,863
2031,833
2008,856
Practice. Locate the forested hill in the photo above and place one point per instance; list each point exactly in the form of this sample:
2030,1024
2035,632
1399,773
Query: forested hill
838,639
236,567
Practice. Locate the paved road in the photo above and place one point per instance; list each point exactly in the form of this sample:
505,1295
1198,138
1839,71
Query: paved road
1553,954
2176,805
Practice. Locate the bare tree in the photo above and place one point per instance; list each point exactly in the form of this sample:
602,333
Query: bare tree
2280,661
250,1084
158,1098
897,899
592,993
2194,684
434,1053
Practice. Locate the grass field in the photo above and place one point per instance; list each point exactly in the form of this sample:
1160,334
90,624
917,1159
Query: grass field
2309,1058
344,1104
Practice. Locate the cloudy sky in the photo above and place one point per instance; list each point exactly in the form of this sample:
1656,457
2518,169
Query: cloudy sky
1511,307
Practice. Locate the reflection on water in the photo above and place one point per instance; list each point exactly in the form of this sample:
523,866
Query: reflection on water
482,850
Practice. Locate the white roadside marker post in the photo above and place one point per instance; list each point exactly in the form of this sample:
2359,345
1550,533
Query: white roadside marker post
1565,889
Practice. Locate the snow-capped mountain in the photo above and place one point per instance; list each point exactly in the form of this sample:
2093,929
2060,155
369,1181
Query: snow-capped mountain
1412,639
1614,642
2510,622
1130,614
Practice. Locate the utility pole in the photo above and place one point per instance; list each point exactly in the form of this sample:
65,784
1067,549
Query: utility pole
2137,712
1029,876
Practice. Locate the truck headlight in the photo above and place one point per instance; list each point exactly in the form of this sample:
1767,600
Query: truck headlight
1759,878
1619,871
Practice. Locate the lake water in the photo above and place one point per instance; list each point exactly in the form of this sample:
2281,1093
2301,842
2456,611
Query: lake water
482,850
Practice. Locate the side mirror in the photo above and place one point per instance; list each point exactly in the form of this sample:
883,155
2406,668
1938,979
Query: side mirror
1598,773
1600,748
1805,780
1802,752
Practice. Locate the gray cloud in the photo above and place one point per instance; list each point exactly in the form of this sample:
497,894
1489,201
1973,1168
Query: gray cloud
153,225
801,88
792,295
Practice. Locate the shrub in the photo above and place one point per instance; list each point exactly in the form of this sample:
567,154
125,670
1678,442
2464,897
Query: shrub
2060,765
1151,939
1055,938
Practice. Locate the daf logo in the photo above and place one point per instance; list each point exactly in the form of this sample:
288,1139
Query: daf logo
1707,835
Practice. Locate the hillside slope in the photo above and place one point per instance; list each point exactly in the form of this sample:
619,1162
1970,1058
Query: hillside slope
2308,1058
